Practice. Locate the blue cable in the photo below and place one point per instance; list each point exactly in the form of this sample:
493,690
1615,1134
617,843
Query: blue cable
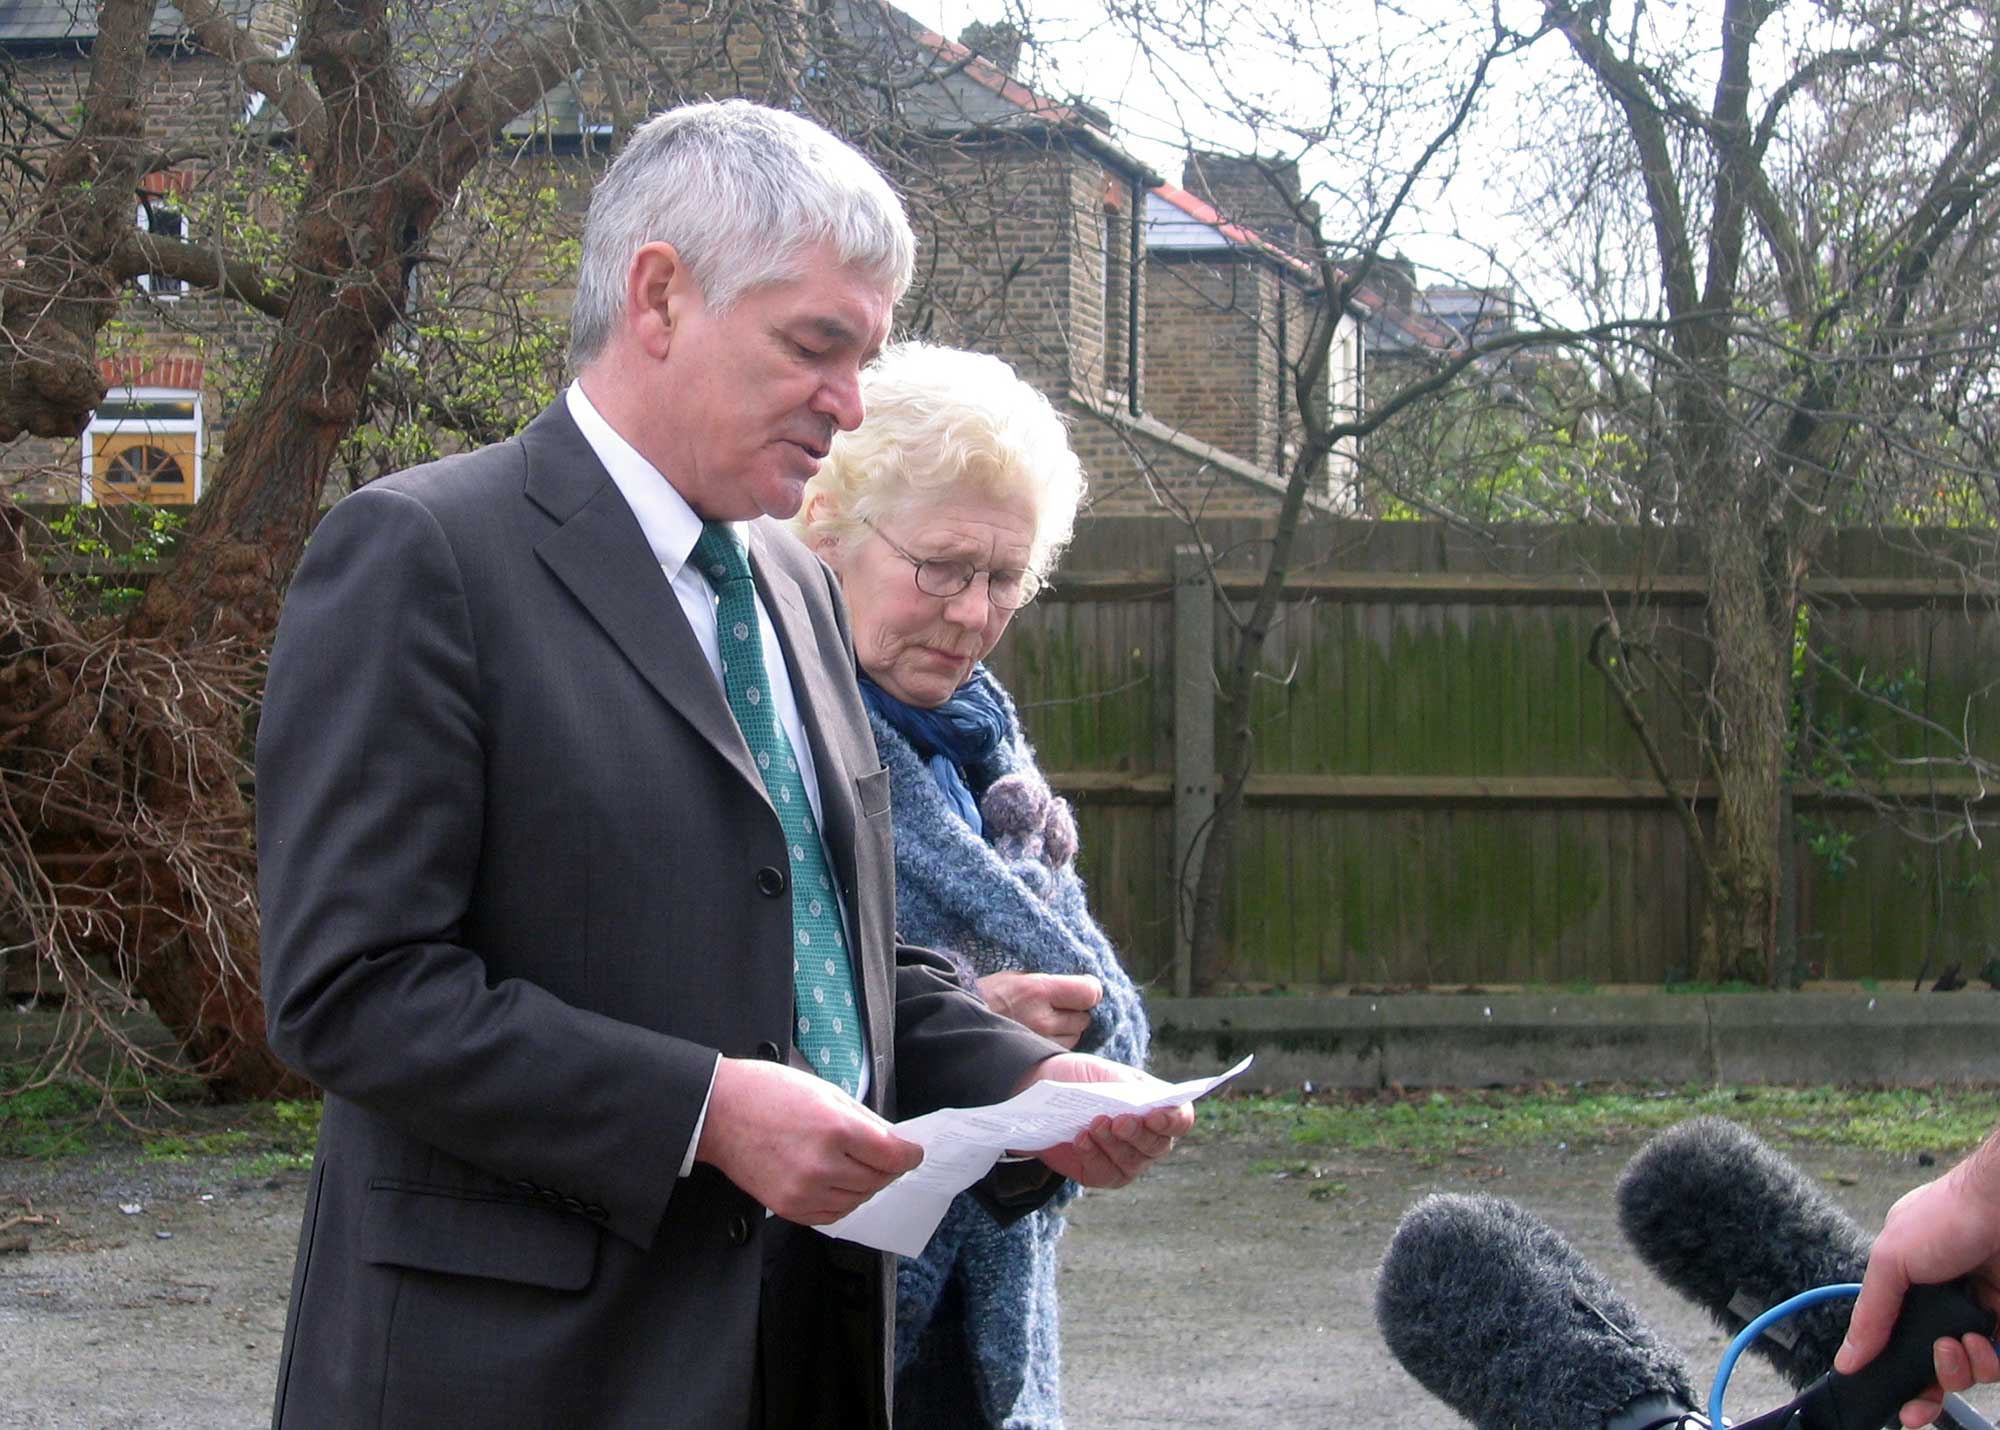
1749,1333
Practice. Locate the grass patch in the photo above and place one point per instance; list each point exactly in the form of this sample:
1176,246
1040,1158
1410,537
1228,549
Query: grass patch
163,1119
1896,1121
260,1140
46,1121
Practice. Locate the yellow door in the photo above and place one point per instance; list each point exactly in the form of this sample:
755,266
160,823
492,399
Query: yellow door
156,467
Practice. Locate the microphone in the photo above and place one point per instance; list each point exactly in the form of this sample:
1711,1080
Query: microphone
1501,1319
1736,1228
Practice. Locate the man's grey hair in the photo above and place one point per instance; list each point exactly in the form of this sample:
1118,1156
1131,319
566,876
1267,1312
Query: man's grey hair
741,192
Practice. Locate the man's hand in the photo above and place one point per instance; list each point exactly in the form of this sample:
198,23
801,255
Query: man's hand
1056,1005
797,1143
1112,1150
1939,1232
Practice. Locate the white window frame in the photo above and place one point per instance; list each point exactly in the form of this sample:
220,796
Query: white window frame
100,426
168,290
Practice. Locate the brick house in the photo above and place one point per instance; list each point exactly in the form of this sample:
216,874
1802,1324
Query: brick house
1029,212
1228,312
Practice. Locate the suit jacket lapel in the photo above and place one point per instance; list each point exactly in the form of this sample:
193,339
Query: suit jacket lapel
598,551
835,760
817,697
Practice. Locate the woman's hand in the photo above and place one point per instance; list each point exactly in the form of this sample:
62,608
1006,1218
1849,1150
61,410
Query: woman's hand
1056,1005
1112,1150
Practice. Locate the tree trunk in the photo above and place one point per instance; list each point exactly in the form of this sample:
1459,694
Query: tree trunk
1239,744
76,250
1750,629
157,862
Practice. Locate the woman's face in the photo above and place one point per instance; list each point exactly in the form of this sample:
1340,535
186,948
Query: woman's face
920,648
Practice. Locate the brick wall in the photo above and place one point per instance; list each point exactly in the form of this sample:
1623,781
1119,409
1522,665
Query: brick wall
995,245
1210,337
1143,467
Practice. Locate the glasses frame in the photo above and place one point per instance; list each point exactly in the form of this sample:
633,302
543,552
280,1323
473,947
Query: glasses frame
1027,580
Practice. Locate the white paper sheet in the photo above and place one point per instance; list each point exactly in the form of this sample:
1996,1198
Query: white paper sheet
962,1143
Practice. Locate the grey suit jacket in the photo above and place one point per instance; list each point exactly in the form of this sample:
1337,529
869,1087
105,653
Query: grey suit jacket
520,883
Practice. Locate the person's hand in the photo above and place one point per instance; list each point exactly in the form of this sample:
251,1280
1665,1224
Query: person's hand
1940,1232
798,1144
1056,1005
1112,1150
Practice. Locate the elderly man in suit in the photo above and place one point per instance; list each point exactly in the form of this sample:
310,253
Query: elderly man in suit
576,862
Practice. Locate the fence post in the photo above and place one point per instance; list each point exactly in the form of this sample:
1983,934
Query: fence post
1785,958
1194,743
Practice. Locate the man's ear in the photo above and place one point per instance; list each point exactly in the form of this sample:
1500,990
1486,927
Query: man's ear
658,290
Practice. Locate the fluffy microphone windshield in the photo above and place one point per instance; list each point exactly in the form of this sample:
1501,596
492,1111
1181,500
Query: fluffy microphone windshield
1736,1228
1500,1318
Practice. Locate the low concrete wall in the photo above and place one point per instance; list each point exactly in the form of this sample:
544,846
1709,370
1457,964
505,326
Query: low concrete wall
1498,1039
1504,1039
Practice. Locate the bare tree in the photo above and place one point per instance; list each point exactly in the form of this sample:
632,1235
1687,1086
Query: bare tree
1816,190
1339,142
124,833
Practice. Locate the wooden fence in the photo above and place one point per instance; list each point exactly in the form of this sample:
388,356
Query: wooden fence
1446,791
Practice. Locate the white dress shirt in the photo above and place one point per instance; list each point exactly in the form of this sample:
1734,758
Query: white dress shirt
671,528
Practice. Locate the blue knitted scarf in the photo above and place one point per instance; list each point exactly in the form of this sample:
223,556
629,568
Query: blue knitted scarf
951,738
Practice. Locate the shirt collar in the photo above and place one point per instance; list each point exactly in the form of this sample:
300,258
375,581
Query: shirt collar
670,524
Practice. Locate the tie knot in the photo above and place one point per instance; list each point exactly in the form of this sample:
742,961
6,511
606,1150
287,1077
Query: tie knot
717,556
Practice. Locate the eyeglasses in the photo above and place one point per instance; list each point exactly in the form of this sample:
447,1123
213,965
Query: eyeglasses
946,576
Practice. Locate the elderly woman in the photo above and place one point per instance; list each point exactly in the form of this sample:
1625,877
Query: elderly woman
941,514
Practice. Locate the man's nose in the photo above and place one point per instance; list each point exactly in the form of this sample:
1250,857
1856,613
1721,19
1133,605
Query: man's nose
839,401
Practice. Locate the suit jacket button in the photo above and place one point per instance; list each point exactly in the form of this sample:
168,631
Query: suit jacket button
595,1212
573,1204
770,1052
526,1186
770,882
739,1229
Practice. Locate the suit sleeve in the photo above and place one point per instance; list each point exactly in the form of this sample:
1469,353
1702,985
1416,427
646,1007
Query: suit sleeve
954,1051
371,773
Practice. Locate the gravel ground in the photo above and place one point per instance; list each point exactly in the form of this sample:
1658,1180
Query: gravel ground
1214,1293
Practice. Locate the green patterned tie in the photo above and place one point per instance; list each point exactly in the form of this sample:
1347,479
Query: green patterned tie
828,1028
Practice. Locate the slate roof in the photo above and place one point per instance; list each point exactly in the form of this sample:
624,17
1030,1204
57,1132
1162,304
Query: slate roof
943,88
1176,221
28,22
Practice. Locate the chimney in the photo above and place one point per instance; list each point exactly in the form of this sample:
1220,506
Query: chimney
1396,276
999,42
1260,193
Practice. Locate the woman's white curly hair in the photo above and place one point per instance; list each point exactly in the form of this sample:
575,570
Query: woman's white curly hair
937,418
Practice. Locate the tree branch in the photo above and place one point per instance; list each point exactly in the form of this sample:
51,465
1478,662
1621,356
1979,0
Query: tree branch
516,73
1667,208
278,78
169,257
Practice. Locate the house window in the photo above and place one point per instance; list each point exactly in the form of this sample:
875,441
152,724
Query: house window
158,216
144,445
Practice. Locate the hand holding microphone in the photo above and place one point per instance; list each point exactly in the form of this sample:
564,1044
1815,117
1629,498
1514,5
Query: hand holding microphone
1942,1231
1736,1228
